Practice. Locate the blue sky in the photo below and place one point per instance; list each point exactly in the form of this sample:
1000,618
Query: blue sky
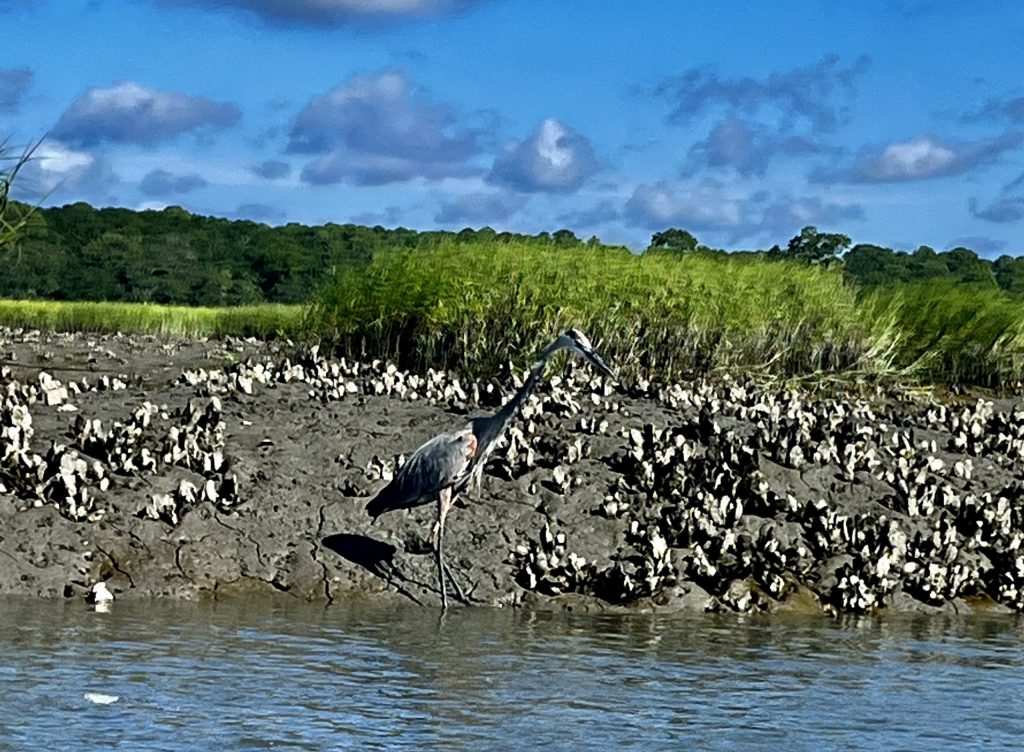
898,122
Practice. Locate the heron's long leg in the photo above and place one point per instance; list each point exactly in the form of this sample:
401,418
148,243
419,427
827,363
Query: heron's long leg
444,502
443,570
455,584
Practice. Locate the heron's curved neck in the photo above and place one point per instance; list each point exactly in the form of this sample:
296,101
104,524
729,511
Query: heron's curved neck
511,407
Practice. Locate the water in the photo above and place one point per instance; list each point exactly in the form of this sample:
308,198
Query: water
191,677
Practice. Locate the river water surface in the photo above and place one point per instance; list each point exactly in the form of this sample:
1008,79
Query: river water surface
217,677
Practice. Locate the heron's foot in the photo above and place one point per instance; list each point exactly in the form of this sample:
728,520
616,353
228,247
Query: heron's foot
464,598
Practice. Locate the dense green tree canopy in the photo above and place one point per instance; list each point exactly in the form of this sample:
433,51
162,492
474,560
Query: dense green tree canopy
76,252
1009,274
813,247
673,239
874,265
173,256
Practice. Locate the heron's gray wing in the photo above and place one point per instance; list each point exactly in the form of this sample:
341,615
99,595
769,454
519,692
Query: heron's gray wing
441,462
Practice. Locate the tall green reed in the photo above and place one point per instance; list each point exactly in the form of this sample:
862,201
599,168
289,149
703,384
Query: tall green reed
479,305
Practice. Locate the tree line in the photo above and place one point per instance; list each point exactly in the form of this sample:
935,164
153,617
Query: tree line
77,252
872,266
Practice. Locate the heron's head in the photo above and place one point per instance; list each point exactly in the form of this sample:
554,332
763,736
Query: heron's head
576,342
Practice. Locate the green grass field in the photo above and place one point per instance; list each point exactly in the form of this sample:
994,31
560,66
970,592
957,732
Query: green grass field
477,306
265,320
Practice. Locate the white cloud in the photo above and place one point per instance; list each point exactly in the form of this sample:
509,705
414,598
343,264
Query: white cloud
553,159
376,129
920,158
910,160
659,205
709,207
336,12
128,112
58,169
55,159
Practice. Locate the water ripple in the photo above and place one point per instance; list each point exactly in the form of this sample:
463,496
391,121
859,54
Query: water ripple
228,678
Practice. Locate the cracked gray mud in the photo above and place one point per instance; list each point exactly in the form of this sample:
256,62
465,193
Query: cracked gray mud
237,468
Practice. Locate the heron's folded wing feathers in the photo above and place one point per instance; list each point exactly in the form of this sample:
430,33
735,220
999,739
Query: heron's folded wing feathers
439,463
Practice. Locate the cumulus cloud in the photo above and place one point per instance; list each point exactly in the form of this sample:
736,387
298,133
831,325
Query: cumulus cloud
1004,108
14,82
478,208
329,13
375,129
389,217
710,208
800,96
273,169
982,244
745,147
782,217
162,183
58,170
554,159
659,205
1007,207
920,158
600,213
258,213
129,112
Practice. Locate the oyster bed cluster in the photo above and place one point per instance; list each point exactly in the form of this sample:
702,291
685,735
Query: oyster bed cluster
718,496
73,476
715,494
58,476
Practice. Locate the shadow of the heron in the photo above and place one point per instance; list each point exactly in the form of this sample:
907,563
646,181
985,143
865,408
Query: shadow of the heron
376,557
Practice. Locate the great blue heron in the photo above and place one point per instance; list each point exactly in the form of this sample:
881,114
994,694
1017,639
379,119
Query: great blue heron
443,466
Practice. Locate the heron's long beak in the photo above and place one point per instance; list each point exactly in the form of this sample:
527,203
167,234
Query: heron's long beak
599,364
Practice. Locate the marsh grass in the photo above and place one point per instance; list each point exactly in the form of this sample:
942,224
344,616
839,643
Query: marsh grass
265,320
13,217
948,332
480,305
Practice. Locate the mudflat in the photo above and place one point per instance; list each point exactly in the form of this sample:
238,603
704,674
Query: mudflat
239,469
